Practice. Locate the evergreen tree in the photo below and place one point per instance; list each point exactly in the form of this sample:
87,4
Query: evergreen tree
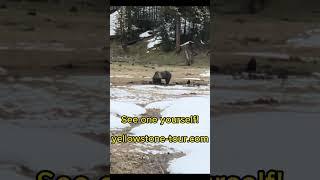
167,30
174,25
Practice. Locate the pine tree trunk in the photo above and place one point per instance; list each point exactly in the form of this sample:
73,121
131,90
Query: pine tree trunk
185,27
178,33
129,21
122,27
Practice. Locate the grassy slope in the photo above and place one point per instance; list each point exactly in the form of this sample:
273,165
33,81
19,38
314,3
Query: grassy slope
137,53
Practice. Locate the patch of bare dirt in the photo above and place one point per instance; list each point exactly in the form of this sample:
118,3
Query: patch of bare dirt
124,73
130,158
126,159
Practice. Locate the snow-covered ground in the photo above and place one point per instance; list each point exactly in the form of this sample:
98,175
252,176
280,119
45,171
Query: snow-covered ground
310,38
172,101
39,114
118,109
153,42
36,149
113,23
146,34
205,74
153,93
10,174
197,154
282,137
288,141
295,90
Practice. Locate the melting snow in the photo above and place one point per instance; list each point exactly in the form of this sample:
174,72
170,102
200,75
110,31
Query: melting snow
121,76
154,41
126,108
205,74
113,23
146,34
169,100
310,38
186,43
115,122
197,159
7,174
197,79
36,149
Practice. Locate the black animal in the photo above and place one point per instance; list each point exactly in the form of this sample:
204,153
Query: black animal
252,65
156,79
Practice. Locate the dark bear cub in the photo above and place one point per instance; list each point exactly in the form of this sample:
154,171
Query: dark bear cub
166,75
252,66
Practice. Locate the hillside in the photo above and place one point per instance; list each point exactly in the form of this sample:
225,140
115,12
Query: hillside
148,35
138,53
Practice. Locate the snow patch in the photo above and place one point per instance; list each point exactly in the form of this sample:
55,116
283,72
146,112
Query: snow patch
7,174
125,108
196,79
205,74
113,23
186,43
316,75
310,38
23,148
115,122
121,76
146,34
197,159
118,108
153,42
